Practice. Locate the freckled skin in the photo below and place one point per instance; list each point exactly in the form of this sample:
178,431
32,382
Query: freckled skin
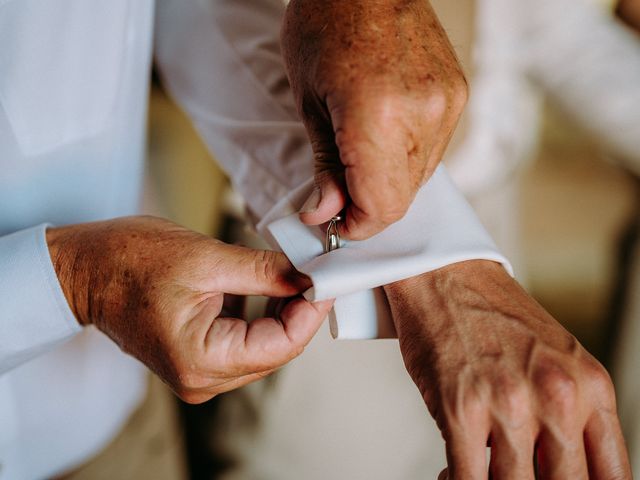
380,91
495,368
157,290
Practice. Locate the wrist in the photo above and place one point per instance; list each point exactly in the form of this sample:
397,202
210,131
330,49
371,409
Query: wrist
468,272
67,264
430,296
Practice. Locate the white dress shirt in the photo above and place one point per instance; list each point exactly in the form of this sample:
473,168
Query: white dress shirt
73,96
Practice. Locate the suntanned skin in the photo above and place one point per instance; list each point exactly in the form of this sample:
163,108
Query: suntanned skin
157,290
494,368
380,91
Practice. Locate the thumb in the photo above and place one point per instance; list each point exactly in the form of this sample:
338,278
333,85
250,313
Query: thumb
245,271
328,198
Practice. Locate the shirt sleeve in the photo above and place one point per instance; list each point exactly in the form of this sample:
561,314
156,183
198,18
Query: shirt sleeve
592,73
221,62
35,315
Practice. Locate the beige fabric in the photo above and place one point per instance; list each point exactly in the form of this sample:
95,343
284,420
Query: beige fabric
150,447
627,360
343,410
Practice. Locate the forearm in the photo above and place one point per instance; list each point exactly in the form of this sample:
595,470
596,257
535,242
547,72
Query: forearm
451,301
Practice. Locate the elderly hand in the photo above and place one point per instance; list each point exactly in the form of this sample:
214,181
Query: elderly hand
380,91
157,290
495,369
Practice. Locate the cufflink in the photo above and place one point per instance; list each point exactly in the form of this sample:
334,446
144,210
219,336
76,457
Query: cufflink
332,239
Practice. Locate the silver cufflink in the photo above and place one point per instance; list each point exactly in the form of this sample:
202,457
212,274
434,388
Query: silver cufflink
332,240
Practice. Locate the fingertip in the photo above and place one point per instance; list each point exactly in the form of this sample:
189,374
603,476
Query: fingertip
302,319
286,275
286,272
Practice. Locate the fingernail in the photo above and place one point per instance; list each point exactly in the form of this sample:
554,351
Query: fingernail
312,203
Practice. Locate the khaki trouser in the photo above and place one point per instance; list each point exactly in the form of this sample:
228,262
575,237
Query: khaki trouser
150,446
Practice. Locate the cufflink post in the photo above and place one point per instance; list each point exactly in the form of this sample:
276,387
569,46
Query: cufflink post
332,240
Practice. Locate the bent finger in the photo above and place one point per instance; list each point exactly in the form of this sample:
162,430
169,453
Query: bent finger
203,394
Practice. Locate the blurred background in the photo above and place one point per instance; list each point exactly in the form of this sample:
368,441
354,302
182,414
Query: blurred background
559,193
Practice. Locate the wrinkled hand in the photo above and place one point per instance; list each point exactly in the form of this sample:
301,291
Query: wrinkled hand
380,91
495,369
157,289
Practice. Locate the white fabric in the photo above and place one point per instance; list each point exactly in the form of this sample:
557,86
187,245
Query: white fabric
439,229
573,50
590,64
261,108
25,331
73,93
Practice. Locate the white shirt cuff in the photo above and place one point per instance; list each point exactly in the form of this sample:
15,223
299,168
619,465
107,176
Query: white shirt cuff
439,229
35,315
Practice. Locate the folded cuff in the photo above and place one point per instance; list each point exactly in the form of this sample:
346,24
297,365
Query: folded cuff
439,229
34,315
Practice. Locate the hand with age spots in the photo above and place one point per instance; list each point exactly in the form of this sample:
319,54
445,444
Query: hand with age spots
157,290
379,90
496,370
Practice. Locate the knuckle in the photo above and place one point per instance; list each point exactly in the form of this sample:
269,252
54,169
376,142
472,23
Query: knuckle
264,265
188,396
194,397
188,380
557,389
445,101
345,138
472,401
459,93
296,349
187,377
365,117
512,399
436,103
600,383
